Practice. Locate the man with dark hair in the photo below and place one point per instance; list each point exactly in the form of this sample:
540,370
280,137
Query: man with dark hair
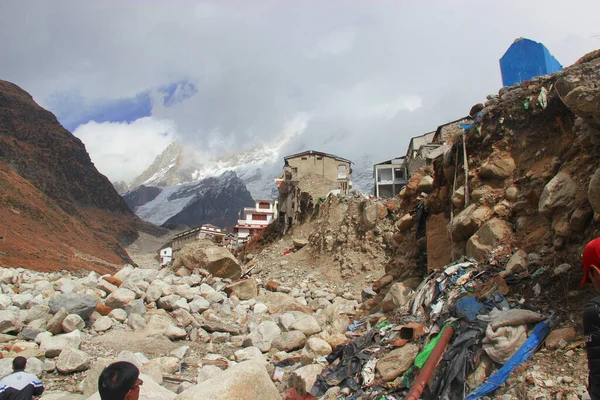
20,385
120,381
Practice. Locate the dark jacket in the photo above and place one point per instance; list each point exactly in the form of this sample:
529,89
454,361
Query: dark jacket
591,330
20,385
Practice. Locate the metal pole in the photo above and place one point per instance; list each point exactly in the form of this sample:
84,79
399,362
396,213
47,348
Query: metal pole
466,166
432,361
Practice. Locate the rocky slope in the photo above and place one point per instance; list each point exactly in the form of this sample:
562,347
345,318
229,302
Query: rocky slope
57,210
214,200
522,212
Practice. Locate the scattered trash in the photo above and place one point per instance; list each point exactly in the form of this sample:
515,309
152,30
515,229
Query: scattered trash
278,374
465,304
502,343
543,97
524,352
538,272
468,307
368,372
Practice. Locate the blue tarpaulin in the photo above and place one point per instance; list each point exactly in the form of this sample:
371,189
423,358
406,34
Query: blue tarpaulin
526,59
528,348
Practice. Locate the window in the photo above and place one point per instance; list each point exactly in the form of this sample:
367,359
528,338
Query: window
384,174
294,170
399,173
259,217
319,158
341,171
264,206
305,158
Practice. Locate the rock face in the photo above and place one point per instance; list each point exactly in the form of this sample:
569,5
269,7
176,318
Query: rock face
372,213
396,297
244,381
82,305
215,200
498,166
65,188
585,102
140,196
244,290
594,191
397,362
559,193
494,232
469,221
72,360
205,254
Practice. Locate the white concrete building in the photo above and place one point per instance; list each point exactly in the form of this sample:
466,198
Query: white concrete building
255,219
390,177
166,255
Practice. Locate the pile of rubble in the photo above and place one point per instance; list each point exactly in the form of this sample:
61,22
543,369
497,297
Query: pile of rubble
343,238
182,326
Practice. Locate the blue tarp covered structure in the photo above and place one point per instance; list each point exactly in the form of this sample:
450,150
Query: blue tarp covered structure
526,59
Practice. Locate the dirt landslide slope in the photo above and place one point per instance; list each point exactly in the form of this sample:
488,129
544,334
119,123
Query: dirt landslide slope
56,210
521,206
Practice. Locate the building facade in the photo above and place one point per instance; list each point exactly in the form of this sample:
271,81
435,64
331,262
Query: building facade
390,177
206,231
166,255
308,176
331,167
255,219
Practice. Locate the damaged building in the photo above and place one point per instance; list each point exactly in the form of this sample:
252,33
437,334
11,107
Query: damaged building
390,177
306,177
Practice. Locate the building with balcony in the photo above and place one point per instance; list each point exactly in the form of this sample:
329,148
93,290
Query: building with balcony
390,177
255,219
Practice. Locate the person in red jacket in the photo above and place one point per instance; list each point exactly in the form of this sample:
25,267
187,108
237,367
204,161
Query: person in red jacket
20,385
591,316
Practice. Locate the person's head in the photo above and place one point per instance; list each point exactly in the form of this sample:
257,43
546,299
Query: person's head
591,263
19,363
120,381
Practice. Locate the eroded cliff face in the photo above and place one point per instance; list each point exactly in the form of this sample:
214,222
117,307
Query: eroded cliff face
57,210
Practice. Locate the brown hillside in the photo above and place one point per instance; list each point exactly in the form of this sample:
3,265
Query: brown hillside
56,210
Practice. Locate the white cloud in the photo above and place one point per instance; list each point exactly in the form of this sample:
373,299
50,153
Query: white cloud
337,42
370,74
122,150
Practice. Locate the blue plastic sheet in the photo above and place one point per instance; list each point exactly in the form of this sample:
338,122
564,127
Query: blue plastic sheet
468,307
528,348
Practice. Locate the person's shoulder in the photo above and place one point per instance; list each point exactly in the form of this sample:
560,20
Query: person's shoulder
592,306
5,378
594,301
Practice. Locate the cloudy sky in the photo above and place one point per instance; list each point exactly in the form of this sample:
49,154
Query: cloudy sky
354,78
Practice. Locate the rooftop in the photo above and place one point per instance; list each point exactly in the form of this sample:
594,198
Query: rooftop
317,153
